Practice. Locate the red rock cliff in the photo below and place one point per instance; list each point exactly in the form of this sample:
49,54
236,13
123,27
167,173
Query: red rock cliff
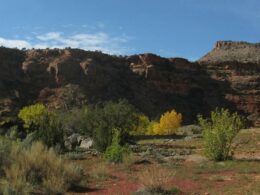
228,76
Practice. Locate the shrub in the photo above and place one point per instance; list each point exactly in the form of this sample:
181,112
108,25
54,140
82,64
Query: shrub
102,118
72,120
12,133
31,115
219,132
43,124
168,124
150,128
143,123
38,169
115,152
154,177
5,149
50,132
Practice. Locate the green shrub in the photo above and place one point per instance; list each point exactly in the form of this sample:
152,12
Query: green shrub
38,170
73,120
12,133
99,120
143,123
5,149
115,152
43,125
50,132
219,132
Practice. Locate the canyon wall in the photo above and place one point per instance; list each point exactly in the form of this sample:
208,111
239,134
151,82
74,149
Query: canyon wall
228,76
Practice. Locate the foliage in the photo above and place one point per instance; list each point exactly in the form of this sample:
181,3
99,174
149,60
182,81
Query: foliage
150,128
168,124
72,120
31,115
12,133
28,141
5,149
38,169
115,152
99,120
45,125
50,132
219,132
143,123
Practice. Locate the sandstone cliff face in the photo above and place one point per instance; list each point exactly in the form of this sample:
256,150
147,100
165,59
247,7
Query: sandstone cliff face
228,51
63,79
237,63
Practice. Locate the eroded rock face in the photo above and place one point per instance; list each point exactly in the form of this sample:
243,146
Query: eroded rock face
238,63
239,51
11,77
153,84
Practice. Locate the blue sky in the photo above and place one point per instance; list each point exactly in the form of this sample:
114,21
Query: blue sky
170,28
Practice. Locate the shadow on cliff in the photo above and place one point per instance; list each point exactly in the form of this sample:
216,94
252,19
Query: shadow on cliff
172,84
190,90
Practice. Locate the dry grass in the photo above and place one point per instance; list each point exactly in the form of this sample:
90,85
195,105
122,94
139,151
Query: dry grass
38,170
155,176
100,172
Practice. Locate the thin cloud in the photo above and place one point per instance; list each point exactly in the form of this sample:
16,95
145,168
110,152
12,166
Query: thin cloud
14,43
87,41
49,36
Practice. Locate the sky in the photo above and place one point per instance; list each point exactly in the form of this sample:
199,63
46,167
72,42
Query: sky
169,28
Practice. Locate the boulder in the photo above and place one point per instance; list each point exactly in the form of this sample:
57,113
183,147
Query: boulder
73,141
86,143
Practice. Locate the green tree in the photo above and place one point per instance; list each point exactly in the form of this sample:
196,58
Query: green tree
99,120
219,132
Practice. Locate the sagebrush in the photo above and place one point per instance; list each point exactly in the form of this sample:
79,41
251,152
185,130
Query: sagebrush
38,170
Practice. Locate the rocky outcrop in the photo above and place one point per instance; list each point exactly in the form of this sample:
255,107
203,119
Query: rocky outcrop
226,51
237,63
228,76
11,77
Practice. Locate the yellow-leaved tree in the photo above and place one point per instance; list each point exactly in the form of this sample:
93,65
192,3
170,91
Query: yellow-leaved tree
168,124
32,115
